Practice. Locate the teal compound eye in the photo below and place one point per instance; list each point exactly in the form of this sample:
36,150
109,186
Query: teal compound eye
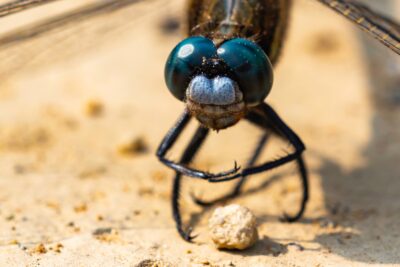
183,62
251,68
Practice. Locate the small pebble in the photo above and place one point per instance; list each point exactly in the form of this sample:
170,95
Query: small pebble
94,108
107,234
153,263
134,147
80,208
233,227
39,249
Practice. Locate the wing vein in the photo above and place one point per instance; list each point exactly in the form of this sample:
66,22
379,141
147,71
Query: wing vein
20,5
382,28
74,16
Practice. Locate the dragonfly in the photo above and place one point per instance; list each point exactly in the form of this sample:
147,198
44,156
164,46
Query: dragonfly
223,72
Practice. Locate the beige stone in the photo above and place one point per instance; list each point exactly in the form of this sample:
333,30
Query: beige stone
233,227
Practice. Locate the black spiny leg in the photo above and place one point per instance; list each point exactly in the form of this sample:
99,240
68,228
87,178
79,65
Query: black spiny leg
304,181
237,189
187,156
265,117
170,139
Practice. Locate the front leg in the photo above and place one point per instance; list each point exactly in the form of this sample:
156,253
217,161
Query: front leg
170,139
188,155
237,188
265,117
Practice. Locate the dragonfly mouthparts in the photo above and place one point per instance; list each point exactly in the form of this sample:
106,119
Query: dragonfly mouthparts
217,103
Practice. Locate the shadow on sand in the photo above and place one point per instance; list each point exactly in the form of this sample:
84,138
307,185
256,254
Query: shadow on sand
367,199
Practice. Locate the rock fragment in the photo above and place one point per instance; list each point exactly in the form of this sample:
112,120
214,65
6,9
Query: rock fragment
233,227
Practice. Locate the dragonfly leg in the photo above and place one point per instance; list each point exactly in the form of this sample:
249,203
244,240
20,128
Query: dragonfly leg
238,186
170,139
265,117
304,180
186,158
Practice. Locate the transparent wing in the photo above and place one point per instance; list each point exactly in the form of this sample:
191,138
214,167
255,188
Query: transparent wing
74,16
20,5
63,30
382,28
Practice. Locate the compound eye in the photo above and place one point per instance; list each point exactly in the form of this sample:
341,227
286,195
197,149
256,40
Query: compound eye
251,68
185,59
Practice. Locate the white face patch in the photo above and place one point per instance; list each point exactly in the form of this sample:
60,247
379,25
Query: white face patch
216,91
185,50
224,90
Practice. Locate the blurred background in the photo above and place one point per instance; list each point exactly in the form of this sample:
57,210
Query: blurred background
83,107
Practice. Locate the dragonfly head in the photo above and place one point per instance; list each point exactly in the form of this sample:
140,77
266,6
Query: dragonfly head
218,84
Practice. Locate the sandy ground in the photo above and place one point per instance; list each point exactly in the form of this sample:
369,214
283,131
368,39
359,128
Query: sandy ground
83,109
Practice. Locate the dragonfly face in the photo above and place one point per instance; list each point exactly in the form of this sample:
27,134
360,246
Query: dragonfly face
218,83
